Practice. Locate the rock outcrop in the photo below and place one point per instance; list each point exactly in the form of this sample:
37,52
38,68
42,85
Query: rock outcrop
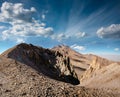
51,63
96,64
102,73
79,61
30,71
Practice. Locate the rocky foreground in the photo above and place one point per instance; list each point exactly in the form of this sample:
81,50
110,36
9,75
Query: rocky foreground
31,71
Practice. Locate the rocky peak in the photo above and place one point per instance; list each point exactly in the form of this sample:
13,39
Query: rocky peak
51,63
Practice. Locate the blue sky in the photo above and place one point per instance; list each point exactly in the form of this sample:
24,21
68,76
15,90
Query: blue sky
88,26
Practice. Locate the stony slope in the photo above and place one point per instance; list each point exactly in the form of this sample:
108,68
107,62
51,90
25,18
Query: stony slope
51,63
92,69
106,75
30,71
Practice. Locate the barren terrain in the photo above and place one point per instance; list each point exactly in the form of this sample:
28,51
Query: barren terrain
31,71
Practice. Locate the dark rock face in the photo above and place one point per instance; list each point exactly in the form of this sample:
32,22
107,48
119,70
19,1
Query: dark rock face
49,62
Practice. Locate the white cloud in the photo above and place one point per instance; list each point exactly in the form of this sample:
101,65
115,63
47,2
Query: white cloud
112,31
78,47
80,34
116,49
22,21
60,37
20,40
11,12
2,27
63,36
43,16
28,29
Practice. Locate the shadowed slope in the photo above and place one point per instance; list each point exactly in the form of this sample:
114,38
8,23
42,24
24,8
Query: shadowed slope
50,63
23,71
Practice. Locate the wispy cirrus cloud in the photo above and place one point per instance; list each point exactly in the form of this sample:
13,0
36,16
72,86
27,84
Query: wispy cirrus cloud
22,21
82,24
96,18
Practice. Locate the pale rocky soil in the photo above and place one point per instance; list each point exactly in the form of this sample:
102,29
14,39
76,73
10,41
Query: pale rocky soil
105,77
18,79
94,71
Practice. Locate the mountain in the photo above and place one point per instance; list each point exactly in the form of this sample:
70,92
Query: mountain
44,60
31,71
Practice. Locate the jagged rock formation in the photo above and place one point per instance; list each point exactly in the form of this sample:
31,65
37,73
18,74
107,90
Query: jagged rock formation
30,71
51,63
92,69
103,72
95,64
79,61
